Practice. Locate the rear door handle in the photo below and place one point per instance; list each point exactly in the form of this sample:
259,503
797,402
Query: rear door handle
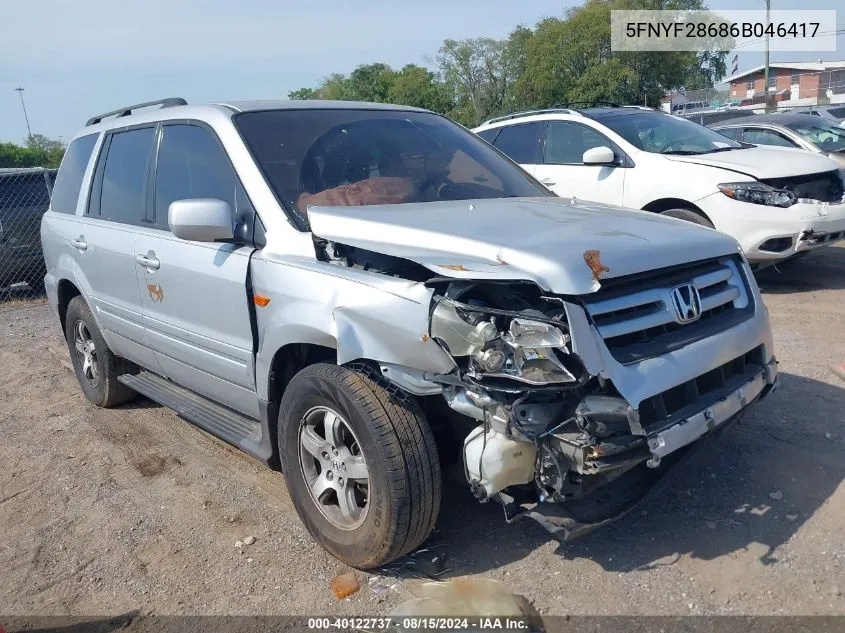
548,182
79,243
148,261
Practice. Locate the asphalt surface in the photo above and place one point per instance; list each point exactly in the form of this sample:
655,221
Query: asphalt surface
133,509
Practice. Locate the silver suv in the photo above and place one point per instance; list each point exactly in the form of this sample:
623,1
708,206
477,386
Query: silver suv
358,294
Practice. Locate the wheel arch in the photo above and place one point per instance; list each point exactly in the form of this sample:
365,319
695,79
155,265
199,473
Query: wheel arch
290,359
664,204
66,290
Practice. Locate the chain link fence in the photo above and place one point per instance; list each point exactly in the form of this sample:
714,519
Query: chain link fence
24,197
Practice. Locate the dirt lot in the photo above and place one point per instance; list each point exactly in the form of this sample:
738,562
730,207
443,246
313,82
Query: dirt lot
134,509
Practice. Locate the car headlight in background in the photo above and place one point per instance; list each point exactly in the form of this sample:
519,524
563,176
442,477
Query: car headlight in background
757,193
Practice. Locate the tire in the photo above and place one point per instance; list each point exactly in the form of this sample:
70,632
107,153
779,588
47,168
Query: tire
690,216
98,378
398,507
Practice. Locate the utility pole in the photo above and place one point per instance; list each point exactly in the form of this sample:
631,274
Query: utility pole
766,72
23,105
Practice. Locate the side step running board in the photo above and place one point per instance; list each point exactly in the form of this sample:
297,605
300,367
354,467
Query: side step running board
231,426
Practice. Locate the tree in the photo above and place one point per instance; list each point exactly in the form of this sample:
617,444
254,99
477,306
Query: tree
417,86
370,82
570,59
39,151
333,87
301,94
474,73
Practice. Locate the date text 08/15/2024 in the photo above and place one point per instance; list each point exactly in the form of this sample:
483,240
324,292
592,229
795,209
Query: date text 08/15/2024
419,623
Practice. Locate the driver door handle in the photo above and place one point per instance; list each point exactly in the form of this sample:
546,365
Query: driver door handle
148,261
79,243
548,182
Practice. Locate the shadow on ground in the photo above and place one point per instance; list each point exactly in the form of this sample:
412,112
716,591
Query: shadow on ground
720,502
819,270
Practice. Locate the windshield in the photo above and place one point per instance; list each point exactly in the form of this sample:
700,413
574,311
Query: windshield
665,134
346,157
819,132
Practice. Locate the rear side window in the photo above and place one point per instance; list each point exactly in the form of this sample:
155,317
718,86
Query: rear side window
69,179
521,142
192,164
125,175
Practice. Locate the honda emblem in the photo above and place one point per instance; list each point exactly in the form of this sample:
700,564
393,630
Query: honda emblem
687,303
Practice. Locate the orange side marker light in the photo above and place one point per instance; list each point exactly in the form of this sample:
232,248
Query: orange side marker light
261,300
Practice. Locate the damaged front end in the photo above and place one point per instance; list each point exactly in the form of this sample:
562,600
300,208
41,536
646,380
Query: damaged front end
553,441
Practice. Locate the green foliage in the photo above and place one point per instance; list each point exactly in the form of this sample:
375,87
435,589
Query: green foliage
39,151
561,60
301,94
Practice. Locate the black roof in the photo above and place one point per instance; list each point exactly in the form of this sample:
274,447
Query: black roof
614,111
785,119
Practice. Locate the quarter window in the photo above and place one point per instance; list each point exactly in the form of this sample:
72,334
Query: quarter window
125,175
69,179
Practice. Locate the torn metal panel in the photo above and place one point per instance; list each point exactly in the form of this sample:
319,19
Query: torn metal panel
521,239
362,315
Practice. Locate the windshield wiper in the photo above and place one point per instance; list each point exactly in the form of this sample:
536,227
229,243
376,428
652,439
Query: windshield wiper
722,149
681,152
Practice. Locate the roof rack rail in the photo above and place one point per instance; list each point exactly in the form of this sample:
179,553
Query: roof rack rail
516,115
126,111
587,104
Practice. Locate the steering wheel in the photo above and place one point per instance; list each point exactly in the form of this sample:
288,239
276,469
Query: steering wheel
431,188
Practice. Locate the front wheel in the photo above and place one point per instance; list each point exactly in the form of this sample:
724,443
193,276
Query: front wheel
361,465
690,216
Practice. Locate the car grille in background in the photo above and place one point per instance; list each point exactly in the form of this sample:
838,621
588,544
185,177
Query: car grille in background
827,186
692,396
635,314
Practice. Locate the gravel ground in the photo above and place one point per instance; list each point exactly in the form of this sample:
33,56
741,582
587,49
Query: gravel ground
109,511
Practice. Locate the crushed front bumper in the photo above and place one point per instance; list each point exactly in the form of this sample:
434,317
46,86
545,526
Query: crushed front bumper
686,431
670,447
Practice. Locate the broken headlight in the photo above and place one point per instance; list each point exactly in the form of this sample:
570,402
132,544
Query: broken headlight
503,344
757,193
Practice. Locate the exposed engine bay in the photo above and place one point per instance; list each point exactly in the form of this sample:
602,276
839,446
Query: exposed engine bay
552,440
544,420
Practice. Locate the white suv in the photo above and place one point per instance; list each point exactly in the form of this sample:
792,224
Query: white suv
776,202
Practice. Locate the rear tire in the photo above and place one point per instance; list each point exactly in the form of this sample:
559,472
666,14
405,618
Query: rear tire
361,465
95,366
690,216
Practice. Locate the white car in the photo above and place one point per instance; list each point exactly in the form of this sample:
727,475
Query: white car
776,202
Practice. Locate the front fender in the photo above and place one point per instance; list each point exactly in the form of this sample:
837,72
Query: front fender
363,315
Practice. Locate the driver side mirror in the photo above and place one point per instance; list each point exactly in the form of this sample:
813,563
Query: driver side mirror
200,220
599,156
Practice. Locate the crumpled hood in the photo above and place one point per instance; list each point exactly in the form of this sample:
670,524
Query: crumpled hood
539,239
763,162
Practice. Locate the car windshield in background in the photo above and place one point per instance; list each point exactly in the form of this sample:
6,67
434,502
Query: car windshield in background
828,137
344,157
664,134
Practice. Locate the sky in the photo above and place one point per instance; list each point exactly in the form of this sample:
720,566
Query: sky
77,59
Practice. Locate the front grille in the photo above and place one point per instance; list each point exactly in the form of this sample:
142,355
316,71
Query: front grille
827,186
637,320
691,397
